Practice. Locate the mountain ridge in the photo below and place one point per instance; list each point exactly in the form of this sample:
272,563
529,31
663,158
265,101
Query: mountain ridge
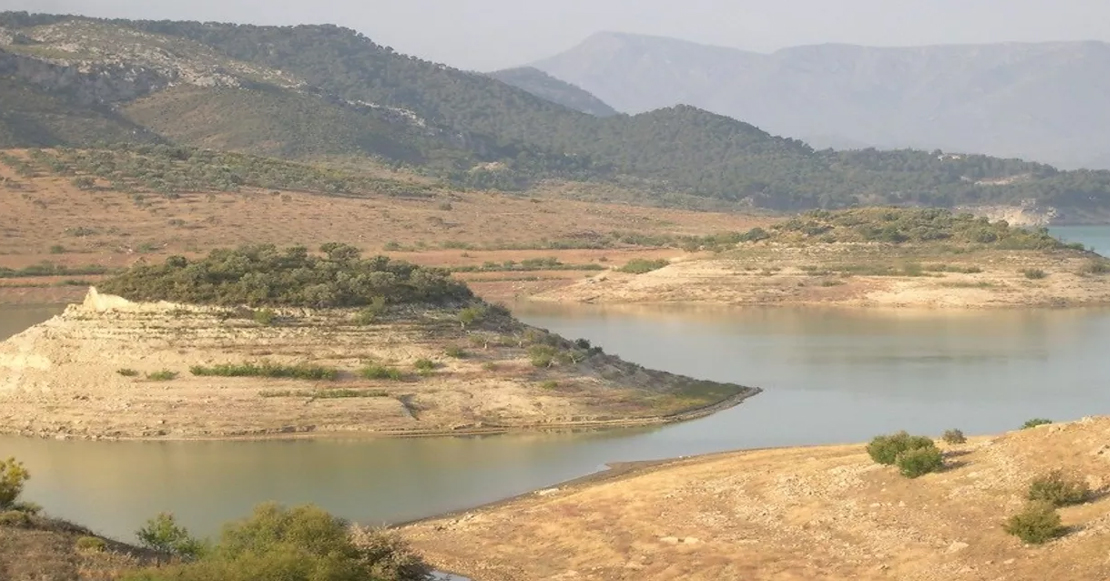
1029,100
319,92
549,88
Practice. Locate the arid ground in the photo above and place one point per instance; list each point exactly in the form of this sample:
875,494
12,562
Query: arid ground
794,514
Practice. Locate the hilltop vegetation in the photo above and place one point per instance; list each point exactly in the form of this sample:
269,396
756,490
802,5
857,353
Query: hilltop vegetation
265,276
170,170
906,226
308,92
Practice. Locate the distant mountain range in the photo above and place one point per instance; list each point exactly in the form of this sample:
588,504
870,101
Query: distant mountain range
1045,102
548,87
325,93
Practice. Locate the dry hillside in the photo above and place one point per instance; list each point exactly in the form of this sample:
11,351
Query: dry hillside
793,514
47,218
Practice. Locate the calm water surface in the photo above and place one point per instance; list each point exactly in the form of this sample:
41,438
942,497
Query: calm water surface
829,375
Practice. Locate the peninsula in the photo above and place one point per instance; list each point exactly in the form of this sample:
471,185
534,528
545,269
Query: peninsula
262,341
868,257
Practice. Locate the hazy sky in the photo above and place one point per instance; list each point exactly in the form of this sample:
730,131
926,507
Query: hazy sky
490,34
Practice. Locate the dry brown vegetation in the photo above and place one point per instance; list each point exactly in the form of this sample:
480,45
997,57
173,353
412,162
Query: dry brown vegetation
47,549
794,513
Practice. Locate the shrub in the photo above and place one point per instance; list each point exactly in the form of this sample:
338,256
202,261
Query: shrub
456,352
264,317
1034,273
299,544
885,449
641,265
57,249
489,366
14,518
371,312
1096,266
12,478
91,544
376,371
954,437
552,384
267,369
27,507
163,375
1037,523
347,393
264,276
162,533
919,461
1035,422
471,315
127,372
1058,489
424,365
542,355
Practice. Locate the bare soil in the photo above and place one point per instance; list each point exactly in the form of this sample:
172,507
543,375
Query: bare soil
842,274
63,378
792,514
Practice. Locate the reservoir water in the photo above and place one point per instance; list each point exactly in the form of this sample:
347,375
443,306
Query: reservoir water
829,376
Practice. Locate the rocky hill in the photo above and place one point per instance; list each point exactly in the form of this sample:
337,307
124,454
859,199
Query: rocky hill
328,93
1034,101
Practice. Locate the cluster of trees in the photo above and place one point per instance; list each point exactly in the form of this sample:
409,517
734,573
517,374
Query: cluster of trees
469,121
171,169
263,275
914,225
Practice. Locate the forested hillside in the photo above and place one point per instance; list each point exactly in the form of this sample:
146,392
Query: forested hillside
318,92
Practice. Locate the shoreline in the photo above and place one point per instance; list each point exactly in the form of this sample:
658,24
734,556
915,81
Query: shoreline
587,426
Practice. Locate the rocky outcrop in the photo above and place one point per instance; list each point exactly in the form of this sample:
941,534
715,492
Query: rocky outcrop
90,85
110,368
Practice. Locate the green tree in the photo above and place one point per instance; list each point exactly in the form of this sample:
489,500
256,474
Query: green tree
162,533
12,477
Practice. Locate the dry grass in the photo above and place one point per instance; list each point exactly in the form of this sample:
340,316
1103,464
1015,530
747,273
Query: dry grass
792,514
855,275
114,229
47,550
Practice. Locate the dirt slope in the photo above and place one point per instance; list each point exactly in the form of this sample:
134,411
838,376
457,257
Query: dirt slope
794,514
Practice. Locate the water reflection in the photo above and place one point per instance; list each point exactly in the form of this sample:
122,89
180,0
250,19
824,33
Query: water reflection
830,376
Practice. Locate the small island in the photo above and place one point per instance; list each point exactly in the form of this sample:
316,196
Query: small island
261,341
865,257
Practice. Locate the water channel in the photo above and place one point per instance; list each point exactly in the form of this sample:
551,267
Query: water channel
829,375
